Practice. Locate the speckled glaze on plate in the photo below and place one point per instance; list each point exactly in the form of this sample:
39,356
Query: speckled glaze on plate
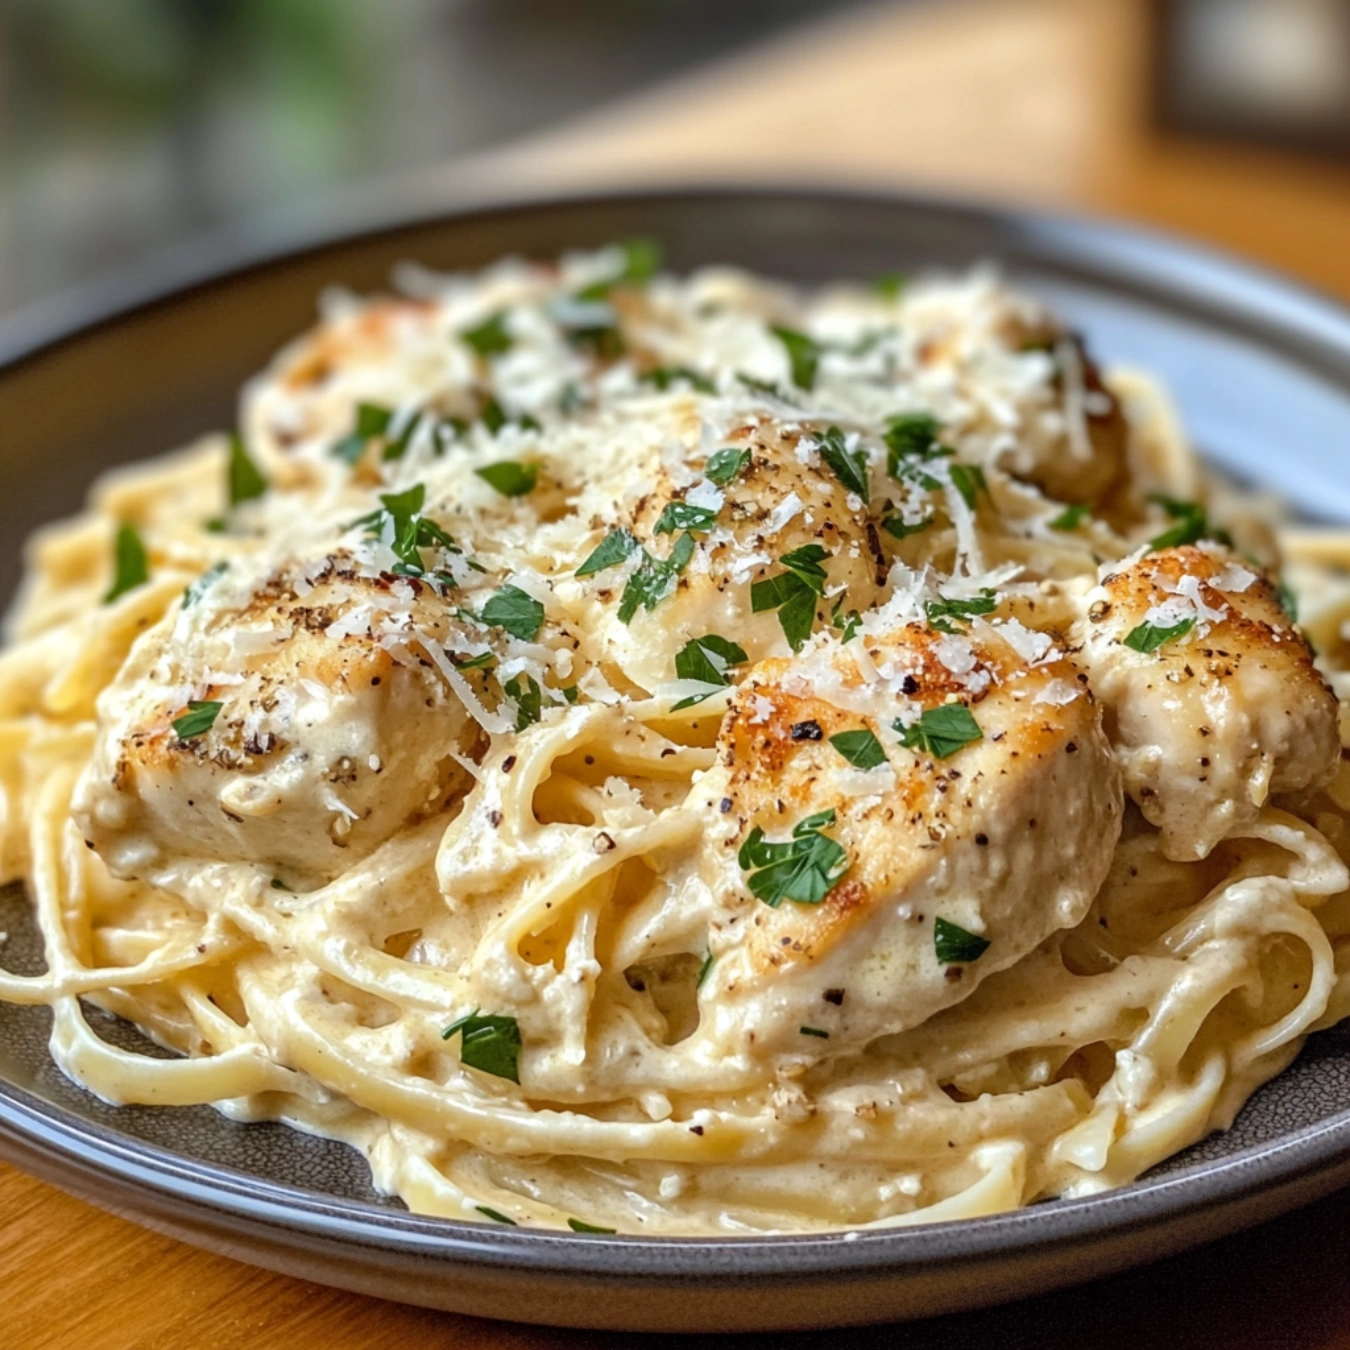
1262,372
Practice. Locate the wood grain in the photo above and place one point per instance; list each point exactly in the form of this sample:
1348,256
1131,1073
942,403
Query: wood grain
1032,100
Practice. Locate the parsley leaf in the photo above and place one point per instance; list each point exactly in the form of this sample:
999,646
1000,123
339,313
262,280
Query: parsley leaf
525,692
641,261
805,562
489,1043
371,420
199,718
577,1226
1192,523
725,464
509,477
654,578
496,1215
954,946
704,970
1284,593
793,595
513,609
707,659
889,285
664,376
1147,637
803,355
590,322
912,440
861,748
814,1031
245,482
941,731
480,662
969,481
199,588
942,610
683,516
849,466
762,386
847,624
804,868
897,529
1070,518
131,566
400,524
490,337
616,546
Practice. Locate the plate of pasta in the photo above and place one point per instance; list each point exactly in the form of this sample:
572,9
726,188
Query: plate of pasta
710,759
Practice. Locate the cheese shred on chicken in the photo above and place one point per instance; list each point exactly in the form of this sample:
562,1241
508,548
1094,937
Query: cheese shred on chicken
682,756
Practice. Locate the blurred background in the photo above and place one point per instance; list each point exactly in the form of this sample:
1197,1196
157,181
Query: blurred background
130,126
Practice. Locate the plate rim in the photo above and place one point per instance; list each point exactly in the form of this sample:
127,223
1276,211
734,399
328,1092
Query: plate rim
1310,326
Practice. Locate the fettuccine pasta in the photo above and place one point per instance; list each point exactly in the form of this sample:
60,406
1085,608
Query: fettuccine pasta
685,756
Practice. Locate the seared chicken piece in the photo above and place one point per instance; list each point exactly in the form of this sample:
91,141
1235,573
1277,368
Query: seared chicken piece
785,499
1218,717
334,729
1006,837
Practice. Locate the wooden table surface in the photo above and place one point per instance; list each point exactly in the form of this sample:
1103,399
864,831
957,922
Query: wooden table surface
1034,101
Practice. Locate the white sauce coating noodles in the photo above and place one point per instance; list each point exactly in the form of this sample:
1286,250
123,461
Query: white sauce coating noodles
680,756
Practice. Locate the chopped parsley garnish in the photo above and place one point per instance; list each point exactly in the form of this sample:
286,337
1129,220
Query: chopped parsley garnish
704,970
793,593
480,662
664,376
889,285
509,477
954,946
590,322
490,337
1192,523
849,466
707,659
1070,518
761,386
525,692
279,885
803,355
912,441
897,529
942,611
577,1226
1148,637
969,481
654,578
371,421
847,624
814,1031
570,692
726,464
941,731
1288,600
245,481
199,588
804,868
516,611
400,524
861,748
496,1215
641,261
682,516
614,548
199,718
492,416
489,1043
131,566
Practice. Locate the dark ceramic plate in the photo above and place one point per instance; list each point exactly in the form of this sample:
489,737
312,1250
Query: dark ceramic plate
1262,372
